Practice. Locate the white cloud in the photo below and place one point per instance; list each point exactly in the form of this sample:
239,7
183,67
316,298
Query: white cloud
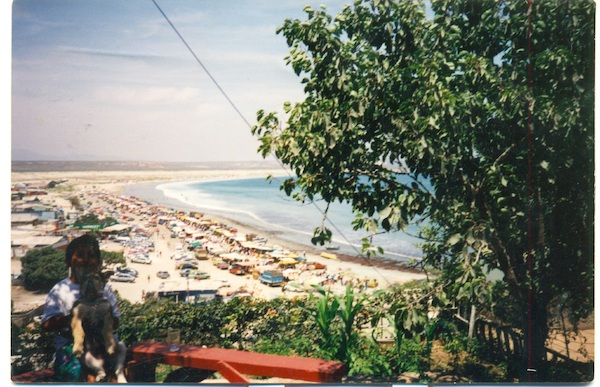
123,80
146,95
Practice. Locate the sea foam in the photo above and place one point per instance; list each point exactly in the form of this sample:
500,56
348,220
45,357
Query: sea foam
263,206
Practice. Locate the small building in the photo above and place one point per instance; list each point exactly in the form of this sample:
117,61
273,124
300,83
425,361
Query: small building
115,229
20,246
23,219
191,292
35,192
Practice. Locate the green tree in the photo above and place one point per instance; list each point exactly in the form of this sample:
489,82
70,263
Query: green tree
75,202
94,219
112,257
477,120
42,268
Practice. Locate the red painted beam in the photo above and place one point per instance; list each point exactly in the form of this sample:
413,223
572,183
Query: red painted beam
231,373
41,376
232,364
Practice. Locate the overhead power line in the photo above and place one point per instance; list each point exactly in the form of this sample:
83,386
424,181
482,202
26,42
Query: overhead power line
322,212
202,65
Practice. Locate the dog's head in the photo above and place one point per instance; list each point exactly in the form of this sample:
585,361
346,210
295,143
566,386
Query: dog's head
92,286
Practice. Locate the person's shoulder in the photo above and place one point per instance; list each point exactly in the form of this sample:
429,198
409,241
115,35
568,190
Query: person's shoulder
65,285
108,289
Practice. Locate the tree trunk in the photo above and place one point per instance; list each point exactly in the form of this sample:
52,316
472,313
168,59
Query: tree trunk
472,321
536,331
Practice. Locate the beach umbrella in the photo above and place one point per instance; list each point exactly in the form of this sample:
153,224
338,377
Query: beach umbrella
277,254
257,246
233,257
288,261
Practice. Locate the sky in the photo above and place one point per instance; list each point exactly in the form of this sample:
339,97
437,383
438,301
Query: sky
111,79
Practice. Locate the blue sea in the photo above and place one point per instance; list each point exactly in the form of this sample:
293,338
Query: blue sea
260,204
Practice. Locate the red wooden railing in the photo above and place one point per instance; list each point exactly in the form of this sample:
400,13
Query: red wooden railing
236,366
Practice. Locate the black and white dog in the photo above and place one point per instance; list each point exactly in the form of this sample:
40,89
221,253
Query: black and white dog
92,324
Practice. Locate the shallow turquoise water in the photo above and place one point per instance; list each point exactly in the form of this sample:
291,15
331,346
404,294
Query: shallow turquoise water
261,204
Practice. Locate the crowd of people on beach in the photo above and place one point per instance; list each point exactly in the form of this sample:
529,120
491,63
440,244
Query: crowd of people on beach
192,236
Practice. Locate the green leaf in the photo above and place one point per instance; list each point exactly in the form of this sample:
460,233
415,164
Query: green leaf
385,213
454,239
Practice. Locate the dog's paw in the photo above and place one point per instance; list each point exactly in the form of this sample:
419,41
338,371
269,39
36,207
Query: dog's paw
101,376
111,349
77,350
121,378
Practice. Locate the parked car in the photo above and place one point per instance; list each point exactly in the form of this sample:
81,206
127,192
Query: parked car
122,239
191,261
187,266
181,255
223,265
122,277
200,254
141,259
199,275
185,272
128,270
237,270
163,274
271,278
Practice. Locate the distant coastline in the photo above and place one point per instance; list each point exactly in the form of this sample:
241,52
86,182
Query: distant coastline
131,172
87,166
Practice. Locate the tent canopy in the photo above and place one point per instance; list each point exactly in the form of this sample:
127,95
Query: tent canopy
116,228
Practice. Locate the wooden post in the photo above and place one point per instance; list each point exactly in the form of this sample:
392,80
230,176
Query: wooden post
472,321
141,371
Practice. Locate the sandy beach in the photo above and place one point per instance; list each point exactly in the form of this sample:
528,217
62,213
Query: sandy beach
96,186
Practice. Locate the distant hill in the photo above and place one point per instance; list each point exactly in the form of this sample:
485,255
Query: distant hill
68,166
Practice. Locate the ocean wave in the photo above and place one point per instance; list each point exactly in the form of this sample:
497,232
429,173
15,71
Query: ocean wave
262,206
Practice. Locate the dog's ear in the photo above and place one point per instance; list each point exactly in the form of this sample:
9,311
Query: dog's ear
105,275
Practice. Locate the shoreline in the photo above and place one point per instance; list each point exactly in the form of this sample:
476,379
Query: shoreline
117,181
378,262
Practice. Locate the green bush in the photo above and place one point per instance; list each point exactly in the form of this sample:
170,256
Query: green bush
240,323
30,348
413,356
280,326
286,346
43,268
368,358
112,257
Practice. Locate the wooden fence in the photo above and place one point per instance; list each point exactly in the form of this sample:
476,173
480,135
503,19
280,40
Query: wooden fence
507,343
504,340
